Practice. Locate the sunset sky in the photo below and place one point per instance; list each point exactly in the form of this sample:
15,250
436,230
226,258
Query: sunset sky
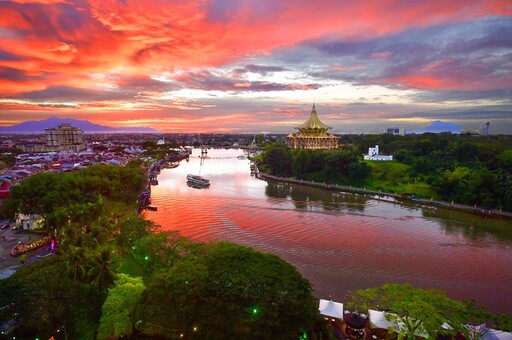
257,65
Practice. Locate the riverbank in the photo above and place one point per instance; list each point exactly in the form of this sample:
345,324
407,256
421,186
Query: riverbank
389,196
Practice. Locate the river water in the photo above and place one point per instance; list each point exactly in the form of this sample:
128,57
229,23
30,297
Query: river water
339,241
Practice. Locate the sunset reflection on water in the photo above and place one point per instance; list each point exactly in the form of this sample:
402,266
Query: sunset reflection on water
339,242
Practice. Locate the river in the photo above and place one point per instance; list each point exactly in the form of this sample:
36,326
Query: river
340,242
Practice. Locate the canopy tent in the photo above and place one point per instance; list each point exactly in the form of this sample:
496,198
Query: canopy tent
378,320
331,309
489,333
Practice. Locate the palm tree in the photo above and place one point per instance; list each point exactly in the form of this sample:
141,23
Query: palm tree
101,274
75,259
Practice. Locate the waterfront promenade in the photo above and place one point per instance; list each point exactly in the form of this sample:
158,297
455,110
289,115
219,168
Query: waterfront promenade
388,196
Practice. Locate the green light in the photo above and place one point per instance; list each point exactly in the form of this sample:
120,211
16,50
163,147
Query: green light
254,311
146,257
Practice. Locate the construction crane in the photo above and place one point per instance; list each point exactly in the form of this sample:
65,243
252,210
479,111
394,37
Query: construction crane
204,148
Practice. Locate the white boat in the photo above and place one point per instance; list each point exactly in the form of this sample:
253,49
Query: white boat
198,180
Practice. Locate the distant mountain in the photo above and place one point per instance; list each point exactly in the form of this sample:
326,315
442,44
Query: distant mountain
438,126
38,126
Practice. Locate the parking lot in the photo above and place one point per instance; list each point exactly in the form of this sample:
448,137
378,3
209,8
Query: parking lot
10,238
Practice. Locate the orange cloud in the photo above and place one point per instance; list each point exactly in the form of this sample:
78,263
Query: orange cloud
139,50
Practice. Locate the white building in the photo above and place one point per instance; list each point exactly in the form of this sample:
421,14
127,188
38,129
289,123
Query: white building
29,221
373,155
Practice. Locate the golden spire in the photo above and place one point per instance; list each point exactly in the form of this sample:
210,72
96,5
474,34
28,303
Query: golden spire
313,122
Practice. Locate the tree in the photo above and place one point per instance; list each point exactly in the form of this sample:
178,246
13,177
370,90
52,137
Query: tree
301,161
338,162
75,260
278,158
160,250
118,311
41,299
358,172
415,309
227,291
100,273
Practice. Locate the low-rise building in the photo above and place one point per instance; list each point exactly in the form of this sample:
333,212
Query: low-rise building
373,155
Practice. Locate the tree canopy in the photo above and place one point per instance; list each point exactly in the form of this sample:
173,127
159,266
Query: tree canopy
228,291
461,168
419,311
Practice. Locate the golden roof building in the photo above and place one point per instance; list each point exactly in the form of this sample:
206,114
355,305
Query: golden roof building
312,135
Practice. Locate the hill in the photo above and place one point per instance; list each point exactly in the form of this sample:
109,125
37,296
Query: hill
438,126
38,126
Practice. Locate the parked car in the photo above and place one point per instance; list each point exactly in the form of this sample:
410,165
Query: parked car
5,226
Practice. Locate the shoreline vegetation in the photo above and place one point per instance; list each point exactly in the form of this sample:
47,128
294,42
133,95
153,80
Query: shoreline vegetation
387,196
456,172
113,274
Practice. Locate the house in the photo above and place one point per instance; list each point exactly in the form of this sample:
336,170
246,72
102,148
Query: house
373,155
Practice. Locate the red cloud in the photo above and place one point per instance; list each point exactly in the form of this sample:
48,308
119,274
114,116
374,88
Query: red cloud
67,43
137,37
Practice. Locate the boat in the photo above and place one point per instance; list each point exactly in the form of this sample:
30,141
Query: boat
151,207
198,180
197,186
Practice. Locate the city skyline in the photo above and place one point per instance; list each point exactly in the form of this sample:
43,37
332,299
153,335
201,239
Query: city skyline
249,66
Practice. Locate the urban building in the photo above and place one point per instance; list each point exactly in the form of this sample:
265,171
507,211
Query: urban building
312,135
64,137
395,131
484,129
373,155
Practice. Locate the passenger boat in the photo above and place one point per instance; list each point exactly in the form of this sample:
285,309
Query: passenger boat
151,207
198,180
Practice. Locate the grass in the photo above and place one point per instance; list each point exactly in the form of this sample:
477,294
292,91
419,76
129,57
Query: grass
393,177
130,266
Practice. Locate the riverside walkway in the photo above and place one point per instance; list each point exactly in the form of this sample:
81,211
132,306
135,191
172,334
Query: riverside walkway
388,196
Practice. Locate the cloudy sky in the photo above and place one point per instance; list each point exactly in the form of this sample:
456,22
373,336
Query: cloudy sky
257,65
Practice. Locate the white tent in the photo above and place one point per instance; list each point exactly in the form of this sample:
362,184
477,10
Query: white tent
331,308
489,333
378,320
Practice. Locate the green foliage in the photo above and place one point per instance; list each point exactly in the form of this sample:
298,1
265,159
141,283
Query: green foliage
227,291
419,311
42,299
75,197
160,250
340,165
101,273
118,311
277,157
432,166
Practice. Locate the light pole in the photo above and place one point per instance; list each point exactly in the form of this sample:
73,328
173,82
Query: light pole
65,333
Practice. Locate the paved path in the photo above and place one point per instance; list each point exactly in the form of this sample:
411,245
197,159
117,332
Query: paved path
389,196
12,237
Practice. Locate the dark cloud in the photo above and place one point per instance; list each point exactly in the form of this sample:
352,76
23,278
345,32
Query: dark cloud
227,11
7,56
14,74
67,93
205,80
262,70
459,95
473,55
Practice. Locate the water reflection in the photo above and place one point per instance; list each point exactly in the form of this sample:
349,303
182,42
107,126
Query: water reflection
340,242
473,227
303,195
